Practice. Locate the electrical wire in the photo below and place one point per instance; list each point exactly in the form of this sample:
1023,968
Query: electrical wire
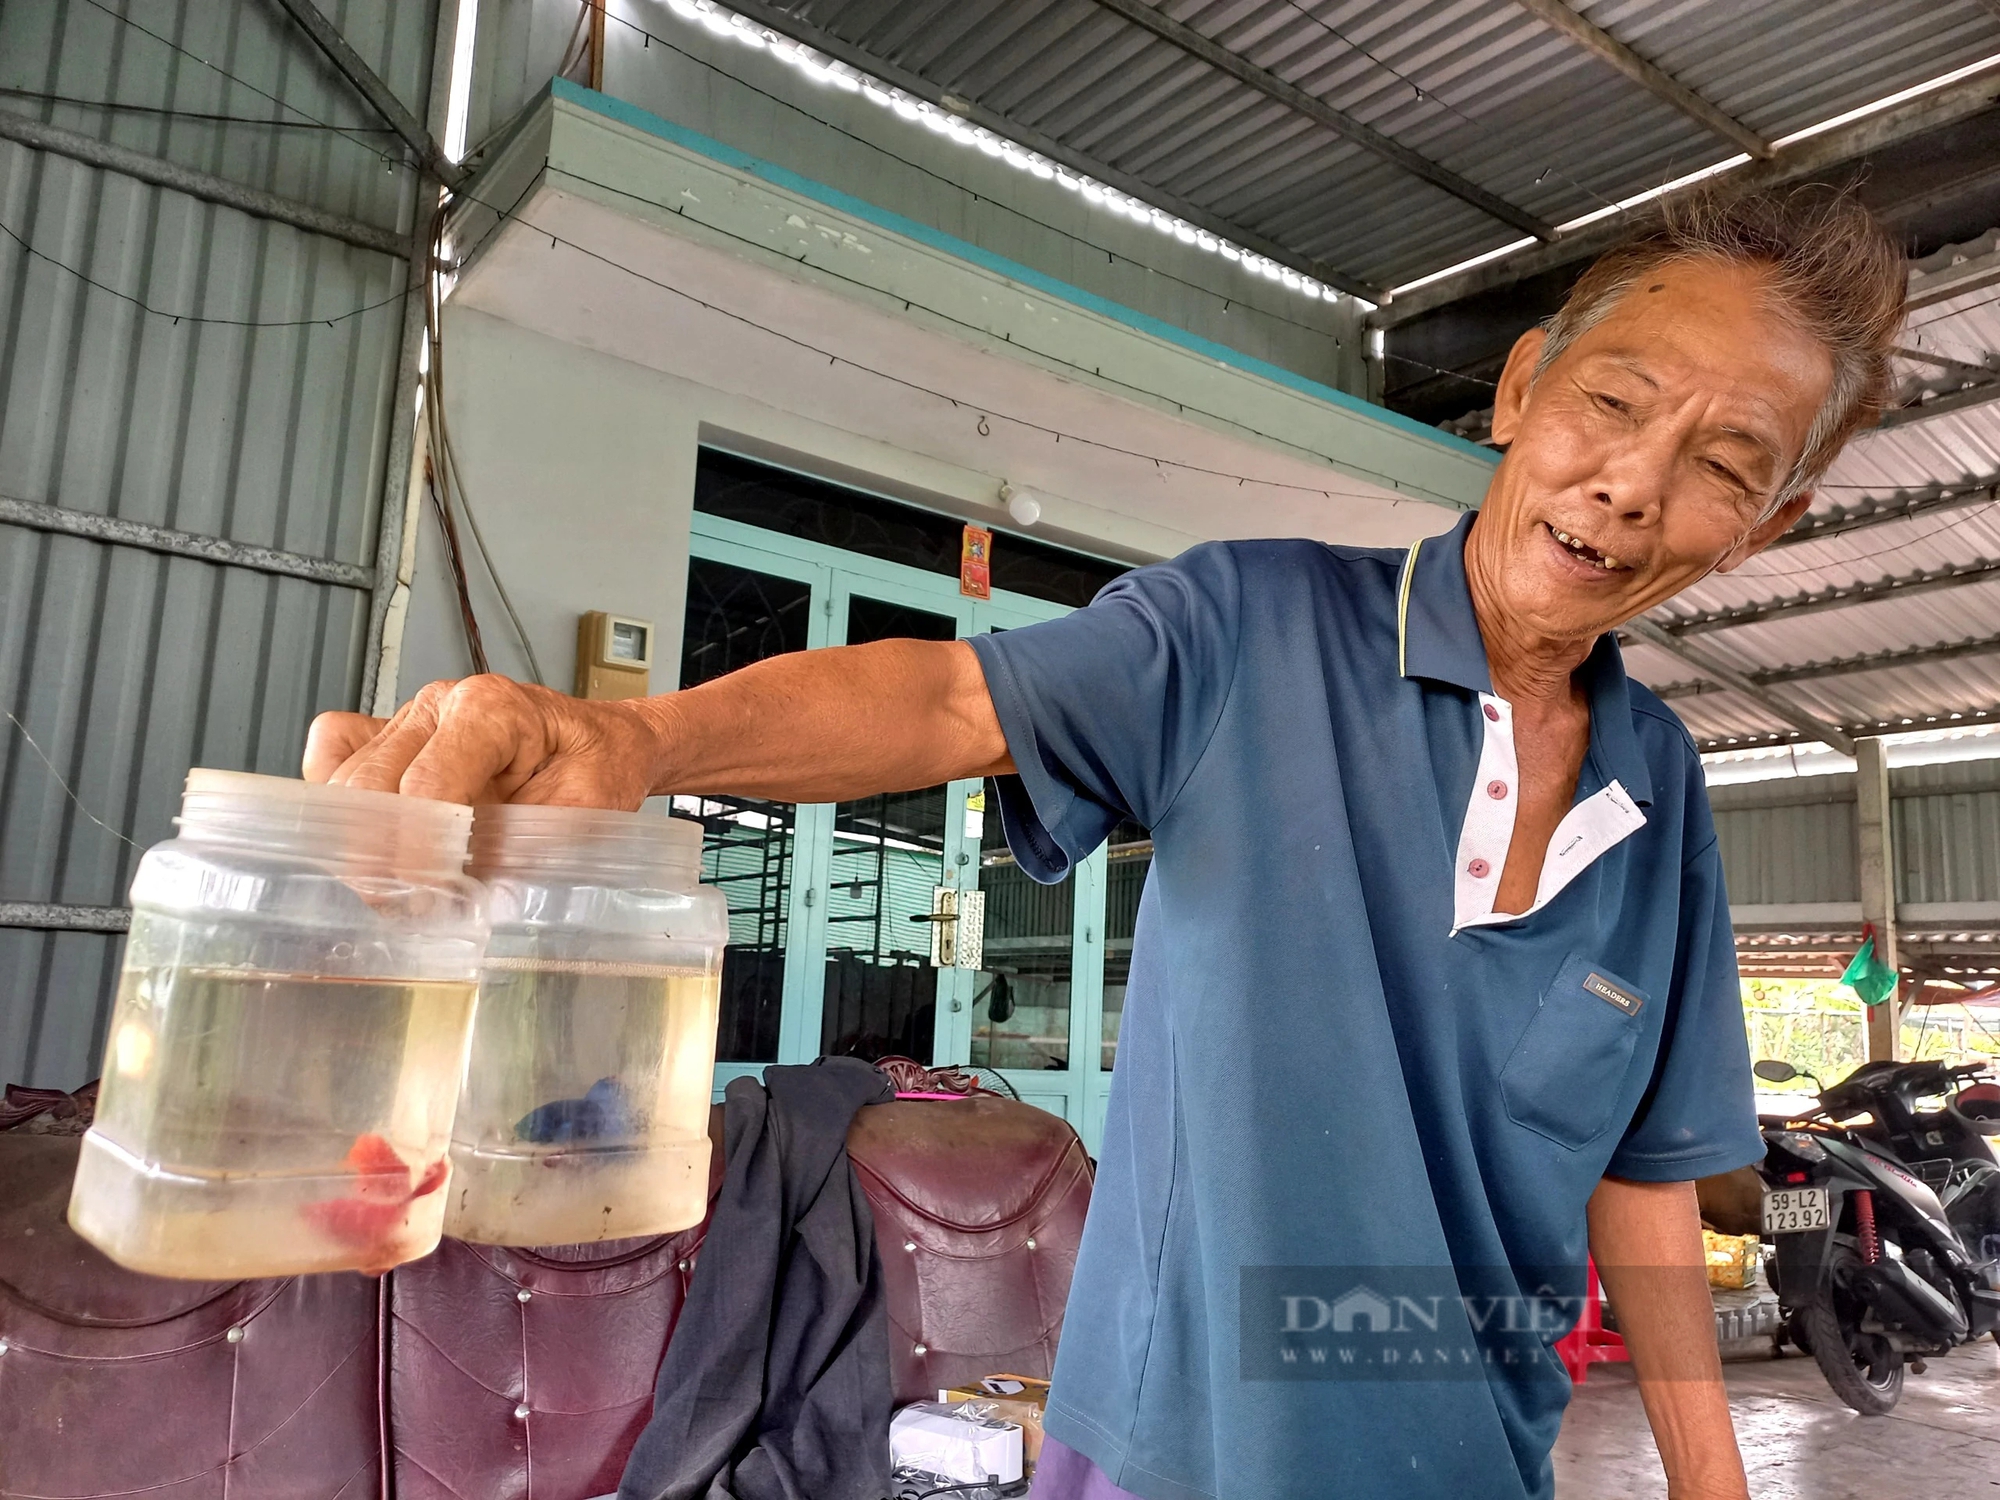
444,457
178,318
194,57
1431,96
983,412
205,116
576,52
75,801
454,561
1971,513
1404,359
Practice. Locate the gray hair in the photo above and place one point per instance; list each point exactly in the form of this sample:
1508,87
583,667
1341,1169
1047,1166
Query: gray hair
1830,268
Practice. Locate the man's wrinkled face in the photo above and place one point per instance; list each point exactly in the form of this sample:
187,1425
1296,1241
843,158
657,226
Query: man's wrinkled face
1647,454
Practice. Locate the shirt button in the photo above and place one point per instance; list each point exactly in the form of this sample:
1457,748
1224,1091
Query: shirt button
1493,713
1479,869
1496,789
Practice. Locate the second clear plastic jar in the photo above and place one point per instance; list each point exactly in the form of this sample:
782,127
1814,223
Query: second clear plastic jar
584,1112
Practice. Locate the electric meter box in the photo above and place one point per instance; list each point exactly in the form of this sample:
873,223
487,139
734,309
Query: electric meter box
614,656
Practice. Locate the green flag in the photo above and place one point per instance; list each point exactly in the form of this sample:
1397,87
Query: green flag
1870,978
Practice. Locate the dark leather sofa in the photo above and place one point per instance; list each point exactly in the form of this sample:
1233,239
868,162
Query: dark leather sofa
481,1372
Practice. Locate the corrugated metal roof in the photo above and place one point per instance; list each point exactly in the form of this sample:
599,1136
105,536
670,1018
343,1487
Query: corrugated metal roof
1478,86
1916,459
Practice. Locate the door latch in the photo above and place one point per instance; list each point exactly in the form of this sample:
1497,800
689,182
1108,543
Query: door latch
958,927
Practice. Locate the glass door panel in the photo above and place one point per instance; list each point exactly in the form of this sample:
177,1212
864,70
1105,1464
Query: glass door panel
887,855
1021,997
735,616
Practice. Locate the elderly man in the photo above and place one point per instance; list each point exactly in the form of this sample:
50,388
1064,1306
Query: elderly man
1392,1062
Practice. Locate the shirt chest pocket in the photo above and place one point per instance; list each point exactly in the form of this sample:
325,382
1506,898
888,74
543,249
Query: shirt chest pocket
1565,1075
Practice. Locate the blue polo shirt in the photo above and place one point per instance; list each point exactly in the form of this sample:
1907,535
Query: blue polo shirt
1357,1114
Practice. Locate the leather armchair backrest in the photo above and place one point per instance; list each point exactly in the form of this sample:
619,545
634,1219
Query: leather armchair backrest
518,1373
979,1205
113,1382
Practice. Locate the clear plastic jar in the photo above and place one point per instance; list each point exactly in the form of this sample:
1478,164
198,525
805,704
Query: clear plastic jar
289,1035
584,1114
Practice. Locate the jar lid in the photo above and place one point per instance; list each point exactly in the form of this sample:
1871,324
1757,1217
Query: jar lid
339,822
524,835
279,791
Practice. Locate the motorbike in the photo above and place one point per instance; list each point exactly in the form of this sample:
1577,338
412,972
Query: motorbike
1885,1220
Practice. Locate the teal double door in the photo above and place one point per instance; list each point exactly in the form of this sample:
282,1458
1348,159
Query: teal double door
832,906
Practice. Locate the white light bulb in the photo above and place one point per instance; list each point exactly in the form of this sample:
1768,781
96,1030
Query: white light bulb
1092,193
1024,505
908,107
1206,240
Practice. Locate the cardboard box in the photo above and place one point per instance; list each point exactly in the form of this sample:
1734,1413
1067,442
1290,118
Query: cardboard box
1732,1260
1019,1399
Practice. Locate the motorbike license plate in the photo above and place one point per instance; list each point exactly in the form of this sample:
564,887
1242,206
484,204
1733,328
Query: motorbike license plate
1791,1210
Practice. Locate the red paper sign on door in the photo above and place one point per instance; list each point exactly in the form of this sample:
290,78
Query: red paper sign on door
975,563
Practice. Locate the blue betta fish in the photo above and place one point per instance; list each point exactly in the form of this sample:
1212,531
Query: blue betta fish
600,1114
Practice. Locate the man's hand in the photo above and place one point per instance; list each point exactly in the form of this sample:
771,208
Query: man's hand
812,726
1646,1237
487,739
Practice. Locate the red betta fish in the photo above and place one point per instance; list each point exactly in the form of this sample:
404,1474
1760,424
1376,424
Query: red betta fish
366,1219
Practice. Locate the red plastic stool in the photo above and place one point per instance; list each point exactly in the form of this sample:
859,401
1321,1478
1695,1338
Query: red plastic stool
1590,1342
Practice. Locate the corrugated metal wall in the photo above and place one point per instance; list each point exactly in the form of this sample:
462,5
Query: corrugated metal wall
1947,824
128,666
1786,842
1793,842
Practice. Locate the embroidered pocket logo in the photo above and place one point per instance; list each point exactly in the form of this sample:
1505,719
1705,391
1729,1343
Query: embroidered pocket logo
1604,989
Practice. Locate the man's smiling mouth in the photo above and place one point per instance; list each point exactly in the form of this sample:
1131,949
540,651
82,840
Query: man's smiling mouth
1582,549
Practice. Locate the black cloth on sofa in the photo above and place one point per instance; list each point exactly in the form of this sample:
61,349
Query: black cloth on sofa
776,1383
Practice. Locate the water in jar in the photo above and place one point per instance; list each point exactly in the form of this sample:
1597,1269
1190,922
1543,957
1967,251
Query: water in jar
305,1129
584,1114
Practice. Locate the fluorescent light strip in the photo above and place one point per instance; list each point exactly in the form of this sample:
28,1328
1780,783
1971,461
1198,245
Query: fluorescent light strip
1943,80
1729,164
1464,265
839,75
458,97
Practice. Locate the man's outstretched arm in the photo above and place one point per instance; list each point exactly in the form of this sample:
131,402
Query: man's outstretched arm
1646,1237
812,726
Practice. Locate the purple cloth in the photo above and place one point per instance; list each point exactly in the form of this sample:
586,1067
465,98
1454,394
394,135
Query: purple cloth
1065,1474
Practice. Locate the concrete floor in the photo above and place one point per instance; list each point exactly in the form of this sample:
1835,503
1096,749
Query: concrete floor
1799,1442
